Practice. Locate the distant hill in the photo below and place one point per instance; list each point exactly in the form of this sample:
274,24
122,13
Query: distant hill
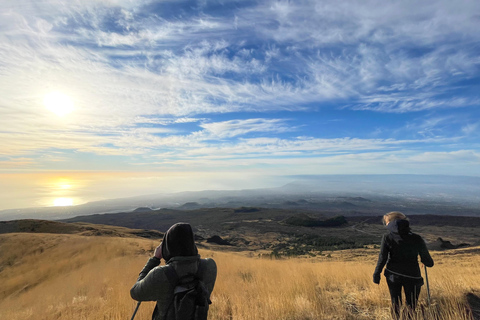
162,219
190,205
347,194
143,209
80,228
427,220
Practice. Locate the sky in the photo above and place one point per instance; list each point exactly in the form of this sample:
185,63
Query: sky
102,99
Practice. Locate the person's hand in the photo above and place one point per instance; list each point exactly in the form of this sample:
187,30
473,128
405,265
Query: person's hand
158,252
376,278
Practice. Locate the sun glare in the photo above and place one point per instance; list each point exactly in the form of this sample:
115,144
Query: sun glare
58,103
63,183
61,202
64,186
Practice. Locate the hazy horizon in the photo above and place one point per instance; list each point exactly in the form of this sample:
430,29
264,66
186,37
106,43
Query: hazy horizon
45,190
462,190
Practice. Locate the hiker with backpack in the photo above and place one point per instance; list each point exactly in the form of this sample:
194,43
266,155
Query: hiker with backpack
182,287
400,249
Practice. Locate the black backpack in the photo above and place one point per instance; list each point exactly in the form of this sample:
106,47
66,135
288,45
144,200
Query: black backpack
191,298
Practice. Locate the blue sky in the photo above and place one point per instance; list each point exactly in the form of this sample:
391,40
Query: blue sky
239,91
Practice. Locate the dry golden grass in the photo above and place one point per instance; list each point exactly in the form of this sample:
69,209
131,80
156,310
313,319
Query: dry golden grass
46,276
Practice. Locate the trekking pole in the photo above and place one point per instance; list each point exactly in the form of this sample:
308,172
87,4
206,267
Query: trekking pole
428,286
136,309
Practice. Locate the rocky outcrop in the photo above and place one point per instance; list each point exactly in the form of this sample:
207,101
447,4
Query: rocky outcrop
218,240
441,244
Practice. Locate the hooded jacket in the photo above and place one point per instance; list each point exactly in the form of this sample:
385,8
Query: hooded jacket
400,249
180,252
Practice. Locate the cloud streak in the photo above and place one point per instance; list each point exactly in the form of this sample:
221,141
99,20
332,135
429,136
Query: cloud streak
238,80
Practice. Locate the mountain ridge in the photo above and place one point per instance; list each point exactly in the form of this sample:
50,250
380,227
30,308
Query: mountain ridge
312,192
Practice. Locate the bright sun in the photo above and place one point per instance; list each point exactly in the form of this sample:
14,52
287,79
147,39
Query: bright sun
60,202
58,103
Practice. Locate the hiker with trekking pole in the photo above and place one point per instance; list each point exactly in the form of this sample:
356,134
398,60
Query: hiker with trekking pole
182,287
399,251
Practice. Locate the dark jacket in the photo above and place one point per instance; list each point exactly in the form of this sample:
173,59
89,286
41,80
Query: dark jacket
399,251
180,252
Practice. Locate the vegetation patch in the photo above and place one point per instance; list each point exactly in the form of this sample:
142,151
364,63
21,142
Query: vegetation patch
312,245
304,220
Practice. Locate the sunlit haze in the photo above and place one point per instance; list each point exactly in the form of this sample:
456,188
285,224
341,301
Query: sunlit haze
63,202
108,99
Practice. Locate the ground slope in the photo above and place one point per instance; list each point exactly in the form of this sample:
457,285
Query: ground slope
68,276
80,228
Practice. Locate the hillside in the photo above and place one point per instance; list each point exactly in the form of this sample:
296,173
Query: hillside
292,231
68,276
80,228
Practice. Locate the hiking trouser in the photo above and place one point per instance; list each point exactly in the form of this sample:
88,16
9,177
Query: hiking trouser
410,286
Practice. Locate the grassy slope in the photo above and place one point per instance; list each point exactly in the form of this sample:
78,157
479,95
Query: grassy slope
65,276
80,228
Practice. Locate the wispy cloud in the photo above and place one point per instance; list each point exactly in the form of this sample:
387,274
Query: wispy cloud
306,146
471,128
14,163
237,79
460,162
233,128
162,64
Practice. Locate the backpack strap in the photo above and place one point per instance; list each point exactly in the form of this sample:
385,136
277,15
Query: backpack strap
199,269
197,276
171,274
